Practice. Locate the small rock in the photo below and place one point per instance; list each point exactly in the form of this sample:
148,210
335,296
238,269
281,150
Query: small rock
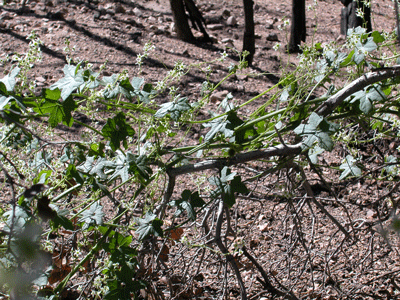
137,12
226,13
6,16
240,88
272,37
341,38
242,77
164,280
119,9
96,15
269,25
213,38
110,12
218,96
109,6
215,26
153,27
151,20
231,21
371,214
58,15
227,40
106,17
264,227
172,27
185,53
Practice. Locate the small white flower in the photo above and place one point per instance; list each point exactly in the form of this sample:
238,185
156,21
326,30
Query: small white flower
224,55
286,22
359,13
276,46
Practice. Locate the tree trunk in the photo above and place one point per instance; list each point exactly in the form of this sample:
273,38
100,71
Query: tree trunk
249,37
181,21
298,26
349,18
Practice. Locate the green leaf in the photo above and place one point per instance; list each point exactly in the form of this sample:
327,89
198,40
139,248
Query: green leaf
54,94
367,97
43,177
392,167
136,83
41,159
92,216
378,38
149,225
72,80
3,89
61,220
16,220
60,112
72,172
188,202
113,88
312,134
235,186
348,60
349,168
4,101
96,168
174,108
227,185
117,130
227,175
97,149
9,80
369,45
219,125
314,152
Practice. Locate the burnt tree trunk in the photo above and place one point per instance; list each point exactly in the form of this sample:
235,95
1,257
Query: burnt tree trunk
349,18
249,37
298,26
181,19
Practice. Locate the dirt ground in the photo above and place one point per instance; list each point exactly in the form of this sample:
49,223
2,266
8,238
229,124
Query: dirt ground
117,32
330,267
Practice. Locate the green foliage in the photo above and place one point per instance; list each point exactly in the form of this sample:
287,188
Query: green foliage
94,185
188,202
117,130
149,225
318,130
227,185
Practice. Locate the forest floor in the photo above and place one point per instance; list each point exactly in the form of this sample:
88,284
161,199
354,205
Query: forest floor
330,266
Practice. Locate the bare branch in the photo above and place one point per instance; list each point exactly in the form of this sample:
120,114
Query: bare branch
369,78
280,150
224,250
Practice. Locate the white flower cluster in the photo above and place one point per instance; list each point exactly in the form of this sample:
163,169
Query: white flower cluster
148,47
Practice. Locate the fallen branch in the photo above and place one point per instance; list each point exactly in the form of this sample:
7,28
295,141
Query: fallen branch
219,163
367,79
267,283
